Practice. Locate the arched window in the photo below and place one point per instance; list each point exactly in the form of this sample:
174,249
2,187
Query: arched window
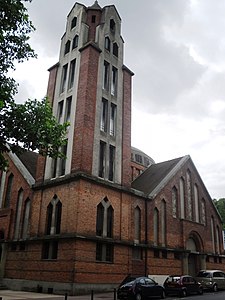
104,219
213,234
18,214
53,218
182,191
100,219
196,203
8,191
163,222
26,216
217,240
174,201
203,212
189,197
107,43
156,226
137,224
115,49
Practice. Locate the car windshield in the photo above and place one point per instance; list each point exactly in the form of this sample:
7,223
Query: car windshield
173,279
204,274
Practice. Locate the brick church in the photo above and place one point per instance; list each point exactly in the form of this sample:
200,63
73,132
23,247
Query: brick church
107,210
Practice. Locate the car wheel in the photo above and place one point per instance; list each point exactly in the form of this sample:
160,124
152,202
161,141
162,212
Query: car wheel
215,288
138,296
183,293
163,295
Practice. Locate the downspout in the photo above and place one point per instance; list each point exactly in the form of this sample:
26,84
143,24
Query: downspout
146,237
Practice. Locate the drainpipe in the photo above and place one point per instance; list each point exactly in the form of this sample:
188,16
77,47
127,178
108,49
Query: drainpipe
146,237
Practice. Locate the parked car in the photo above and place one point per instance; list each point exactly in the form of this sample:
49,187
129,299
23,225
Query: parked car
211,279
140,288
182,286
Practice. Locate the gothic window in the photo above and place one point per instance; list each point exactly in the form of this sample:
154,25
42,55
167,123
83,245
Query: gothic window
196,203
137,224
26,219
104,115
8,191
156,226
73,22
112,25
102,159
189,197
174,202
203,212
72,73
113,120
106,76
75,42
114,81
213,234
217,240
182,193
115,49
68,109
111,162
67,47
18,214
53,218
104,219
163,222
63,78
107,43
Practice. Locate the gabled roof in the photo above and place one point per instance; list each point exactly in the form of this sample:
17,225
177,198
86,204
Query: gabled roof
155,177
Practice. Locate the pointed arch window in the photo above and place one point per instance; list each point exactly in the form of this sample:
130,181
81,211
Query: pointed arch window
189,197
26,218
174,201
163,222
137,224
217,240
213,234
156,226
203,212
8,190
196,203
182,193
18,214
53,218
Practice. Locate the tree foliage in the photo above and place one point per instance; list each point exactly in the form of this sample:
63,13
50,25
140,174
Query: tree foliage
30,125
220,205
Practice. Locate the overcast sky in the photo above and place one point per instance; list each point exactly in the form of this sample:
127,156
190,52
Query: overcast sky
176,48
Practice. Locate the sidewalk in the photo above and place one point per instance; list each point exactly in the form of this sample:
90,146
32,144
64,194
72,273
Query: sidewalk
19,295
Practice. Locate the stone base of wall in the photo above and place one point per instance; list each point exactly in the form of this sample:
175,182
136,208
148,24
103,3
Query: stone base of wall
57,288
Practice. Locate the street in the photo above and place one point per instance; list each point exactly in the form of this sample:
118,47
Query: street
206,296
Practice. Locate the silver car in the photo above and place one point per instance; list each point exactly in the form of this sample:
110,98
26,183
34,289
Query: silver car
211,279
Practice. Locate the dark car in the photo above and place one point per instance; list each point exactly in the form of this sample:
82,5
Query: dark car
212,279
182,286
140,288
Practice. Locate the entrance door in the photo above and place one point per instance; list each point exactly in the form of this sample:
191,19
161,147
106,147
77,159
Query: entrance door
192,264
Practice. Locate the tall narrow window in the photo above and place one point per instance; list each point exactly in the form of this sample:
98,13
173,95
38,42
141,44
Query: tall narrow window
182,206
156,226
104,115
73,22
112,25
196,203
137,224
174,202
67,47
62,165
26,218
106,76
72,74
60,111
189,197
100,219
63,78
114,81
213,234
102,159
111,162
203,213
68,108
107,43
18,214
113,119
115,49
75,42
163,222
8,191
53,216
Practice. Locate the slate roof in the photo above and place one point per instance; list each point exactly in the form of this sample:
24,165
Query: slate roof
29,159
154,176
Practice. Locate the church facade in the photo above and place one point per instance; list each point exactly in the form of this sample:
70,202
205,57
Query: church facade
107,210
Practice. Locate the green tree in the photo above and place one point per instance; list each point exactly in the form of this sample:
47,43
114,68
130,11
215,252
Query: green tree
220,205
30,125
